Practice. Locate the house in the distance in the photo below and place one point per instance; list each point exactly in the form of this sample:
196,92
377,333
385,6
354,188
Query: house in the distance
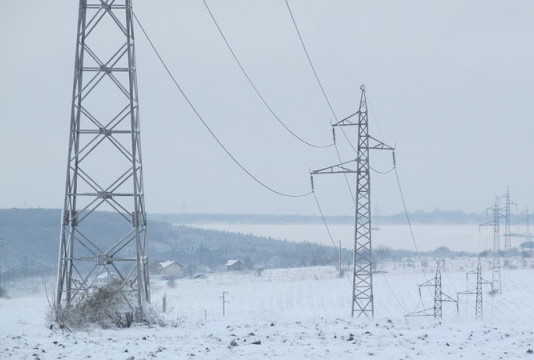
171,269
234,265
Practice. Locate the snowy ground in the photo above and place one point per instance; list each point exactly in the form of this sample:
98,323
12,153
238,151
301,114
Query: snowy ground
292,314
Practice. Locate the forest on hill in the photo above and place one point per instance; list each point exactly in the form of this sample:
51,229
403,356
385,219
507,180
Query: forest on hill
30,239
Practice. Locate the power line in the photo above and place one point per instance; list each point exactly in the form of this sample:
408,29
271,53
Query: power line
252,176
310,60
401,192
325,223
393,294
330,47
256,90
323,92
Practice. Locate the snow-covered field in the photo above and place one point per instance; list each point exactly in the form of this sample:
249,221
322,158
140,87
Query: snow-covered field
292,314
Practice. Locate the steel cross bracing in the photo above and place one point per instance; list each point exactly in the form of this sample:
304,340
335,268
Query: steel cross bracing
104,171
362,287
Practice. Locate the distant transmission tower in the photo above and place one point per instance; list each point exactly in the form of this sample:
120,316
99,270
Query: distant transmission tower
479,311
362,294
104,171
527,223
439,296
507,223
496,279
2,290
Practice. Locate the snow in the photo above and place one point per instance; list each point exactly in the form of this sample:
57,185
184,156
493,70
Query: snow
299,313
166,264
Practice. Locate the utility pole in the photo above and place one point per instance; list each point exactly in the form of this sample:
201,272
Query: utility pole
104,170
362,284
339,261
439,296
496,279
224,302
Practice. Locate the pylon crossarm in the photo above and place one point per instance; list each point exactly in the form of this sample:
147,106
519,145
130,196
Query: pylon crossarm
424,312
378,145
345,122
466,292
337,169
447,298
429,282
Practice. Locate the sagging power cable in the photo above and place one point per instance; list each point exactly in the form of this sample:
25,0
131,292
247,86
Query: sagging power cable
232,157
254,87
323,91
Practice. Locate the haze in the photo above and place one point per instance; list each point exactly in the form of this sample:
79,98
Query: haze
450,84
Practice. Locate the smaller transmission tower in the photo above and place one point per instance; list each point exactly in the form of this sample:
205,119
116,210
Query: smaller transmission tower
2,290
507,222
527,225
439,296
496,279
479,312
362,284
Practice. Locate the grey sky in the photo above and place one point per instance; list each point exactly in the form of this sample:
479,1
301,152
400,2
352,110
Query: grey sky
450,82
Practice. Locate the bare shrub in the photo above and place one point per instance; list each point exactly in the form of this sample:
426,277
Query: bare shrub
105,306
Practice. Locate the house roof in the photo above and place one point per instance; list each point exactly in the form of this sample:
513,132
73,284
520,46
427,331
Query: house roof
166,264
232,262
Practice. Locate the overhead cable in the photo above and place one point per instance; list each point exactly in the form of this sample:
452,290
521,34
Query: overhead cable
310,60
330,47
325,223
323,92
256,90
252,176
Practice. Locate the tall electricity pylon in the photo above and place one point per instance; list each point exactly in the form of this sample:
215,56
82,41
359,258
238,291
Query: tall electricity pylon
104,170
362,285
439,296
496,279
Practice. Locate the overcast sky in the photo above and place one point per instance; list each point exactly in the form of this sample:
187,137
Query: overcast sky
451,84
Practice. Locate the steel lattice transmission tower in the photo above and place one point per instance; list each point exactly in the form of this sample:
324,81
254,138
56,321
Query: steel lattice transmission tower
104,170
479,310
362,294
496,279
508,220
439,296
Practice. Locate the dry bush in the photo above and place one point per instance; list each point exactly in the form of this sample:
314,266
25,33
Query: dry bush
104,306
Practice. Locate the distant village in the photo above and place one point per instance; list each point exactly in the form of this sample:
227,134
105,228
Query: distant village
172,269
